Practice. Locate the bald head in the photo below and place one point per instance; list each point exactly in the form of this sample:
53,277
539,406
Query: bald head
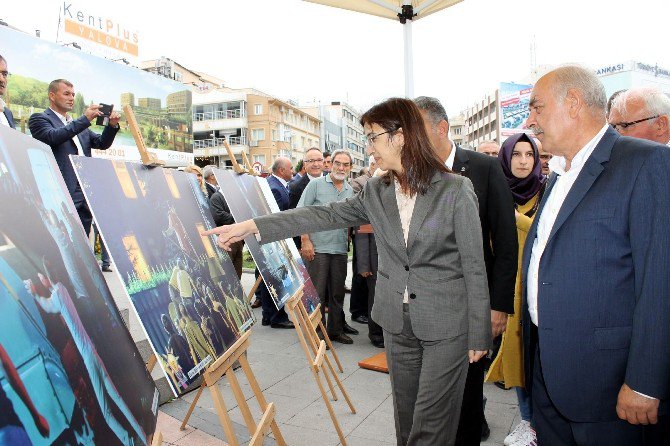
282,168
642,113
567,109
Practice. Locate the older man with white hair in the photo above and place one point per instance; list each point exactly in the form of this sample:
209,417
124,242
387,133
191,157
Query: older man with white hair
642,113
595,280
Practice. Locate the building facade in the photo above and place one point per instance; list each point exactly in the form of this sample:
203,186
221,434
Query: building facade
481,120
632,74
261,126
352,132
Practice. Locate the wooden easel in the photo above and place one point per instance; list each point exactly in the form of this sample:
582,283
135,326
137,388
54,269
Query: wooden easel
148,159
236,166
211,377
252,292
157,439
315,351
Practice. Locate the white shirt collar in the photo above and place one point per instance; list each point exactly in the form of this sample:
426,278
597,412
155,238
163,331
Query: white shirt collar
313,178
3,104
62,117
3,118
452,156
281,180
557,163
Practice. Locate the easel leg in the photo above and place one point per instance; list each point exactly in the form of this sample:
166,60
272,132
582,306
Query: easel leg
241,401
190,409
330,408
254,288
222,411
339,384
260,398
330,346
157,439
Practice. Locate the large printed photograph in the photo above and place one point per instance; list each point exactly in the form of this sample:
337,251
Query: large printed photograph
514,111
184,289
279,263
69,371
161,106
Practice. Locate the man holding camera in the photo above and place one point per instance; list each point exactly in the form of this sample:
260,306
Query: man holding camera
68,136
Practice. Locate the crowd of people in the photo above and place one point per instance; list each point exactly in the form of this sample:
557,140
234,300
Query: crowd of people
548,251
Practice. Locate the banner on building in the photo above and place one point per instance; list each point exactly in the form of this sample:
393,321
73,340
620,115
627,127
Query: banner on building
514,111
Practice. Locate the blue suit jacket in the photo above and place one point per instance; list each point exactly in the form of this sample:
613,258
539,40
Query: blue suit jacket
603,283
10,117
48,128
280,192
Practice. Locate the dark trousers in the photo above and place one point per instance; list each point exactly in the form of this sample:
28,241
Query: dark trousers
472,409
236,255
375,332
427,379
552,428
358,302
270,312
82,209
104,255
330,270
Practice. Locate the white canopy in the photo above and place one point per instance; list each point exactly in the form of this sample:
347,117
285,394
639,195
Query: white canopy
406,11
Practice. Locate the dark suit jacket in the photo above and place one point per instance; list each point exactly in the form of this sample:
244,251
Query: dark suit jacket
220,210
603,283
10,117
48,128
496,214
210,190
296,189
279,191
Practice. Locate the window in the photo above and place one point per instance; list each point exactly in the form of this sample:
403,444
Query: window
259,159
258,109
274,135
258,134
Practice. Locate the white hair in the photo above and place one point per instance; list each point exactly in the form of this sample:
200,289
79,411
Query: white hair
574,77
655,101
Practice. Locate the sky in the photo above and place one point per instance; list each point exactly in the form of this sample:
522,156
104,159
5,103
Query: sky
310,53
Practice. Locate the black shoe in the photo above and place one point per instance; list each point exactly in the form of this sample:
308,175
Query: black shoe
107,269
379,343
287,324
486,432
348,329
361,319
257,303
342,339
500,385
265,322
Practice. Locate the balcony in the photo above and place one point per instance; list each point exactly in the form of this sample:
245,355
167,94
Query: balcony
218,142
219,114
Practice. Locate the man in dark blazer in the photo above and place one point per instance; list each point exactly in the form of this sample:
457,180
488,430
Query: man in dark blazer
4,78
278,182
211,184
596,320
500,245
68,136
313,163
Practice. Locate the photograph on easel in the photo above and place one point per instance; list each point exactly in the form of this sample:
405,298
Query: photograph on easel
279,263
69,371
184,289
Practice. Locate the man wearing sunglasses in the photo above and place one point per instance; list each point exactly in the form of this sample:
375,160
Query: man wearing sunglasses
642,113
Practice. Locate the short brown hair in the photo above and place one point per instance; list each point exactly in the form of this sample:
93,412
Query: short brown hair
53,85
418,157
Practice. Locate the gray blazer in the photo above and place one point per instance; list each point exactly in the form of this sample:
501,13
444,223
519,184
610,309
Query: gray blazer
442,266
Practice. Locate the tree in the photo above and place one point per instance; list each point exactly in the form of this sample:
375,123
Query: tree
79,104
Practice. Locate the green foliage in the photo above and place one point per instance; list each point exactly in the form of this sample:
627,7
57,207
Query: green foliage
79,105
28,92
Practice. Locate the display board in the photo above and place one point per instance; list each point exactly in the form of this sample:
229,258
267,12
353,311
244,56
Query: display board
184,289
162,106
69,370
279,263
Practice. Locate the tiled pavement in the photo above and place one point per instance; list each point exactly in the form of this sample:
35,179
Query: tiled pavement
281,369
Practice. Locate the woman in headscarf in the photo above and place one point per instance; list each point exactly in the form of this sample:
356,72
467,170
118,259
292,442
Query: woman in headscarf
522,167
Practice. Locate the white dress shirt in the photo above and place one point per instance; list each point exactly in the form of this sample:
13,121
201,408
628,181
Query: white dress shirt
282,181
452,156
406,210
550,211
3,118
66,120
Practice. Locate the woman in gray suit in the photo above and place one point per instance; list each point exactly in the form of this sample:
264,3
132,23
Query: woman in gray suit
431,297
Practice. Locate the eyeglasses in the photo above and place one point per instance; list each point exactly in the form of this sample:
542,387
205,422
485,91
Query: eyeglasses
338,164
624,125
370,138
314,161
